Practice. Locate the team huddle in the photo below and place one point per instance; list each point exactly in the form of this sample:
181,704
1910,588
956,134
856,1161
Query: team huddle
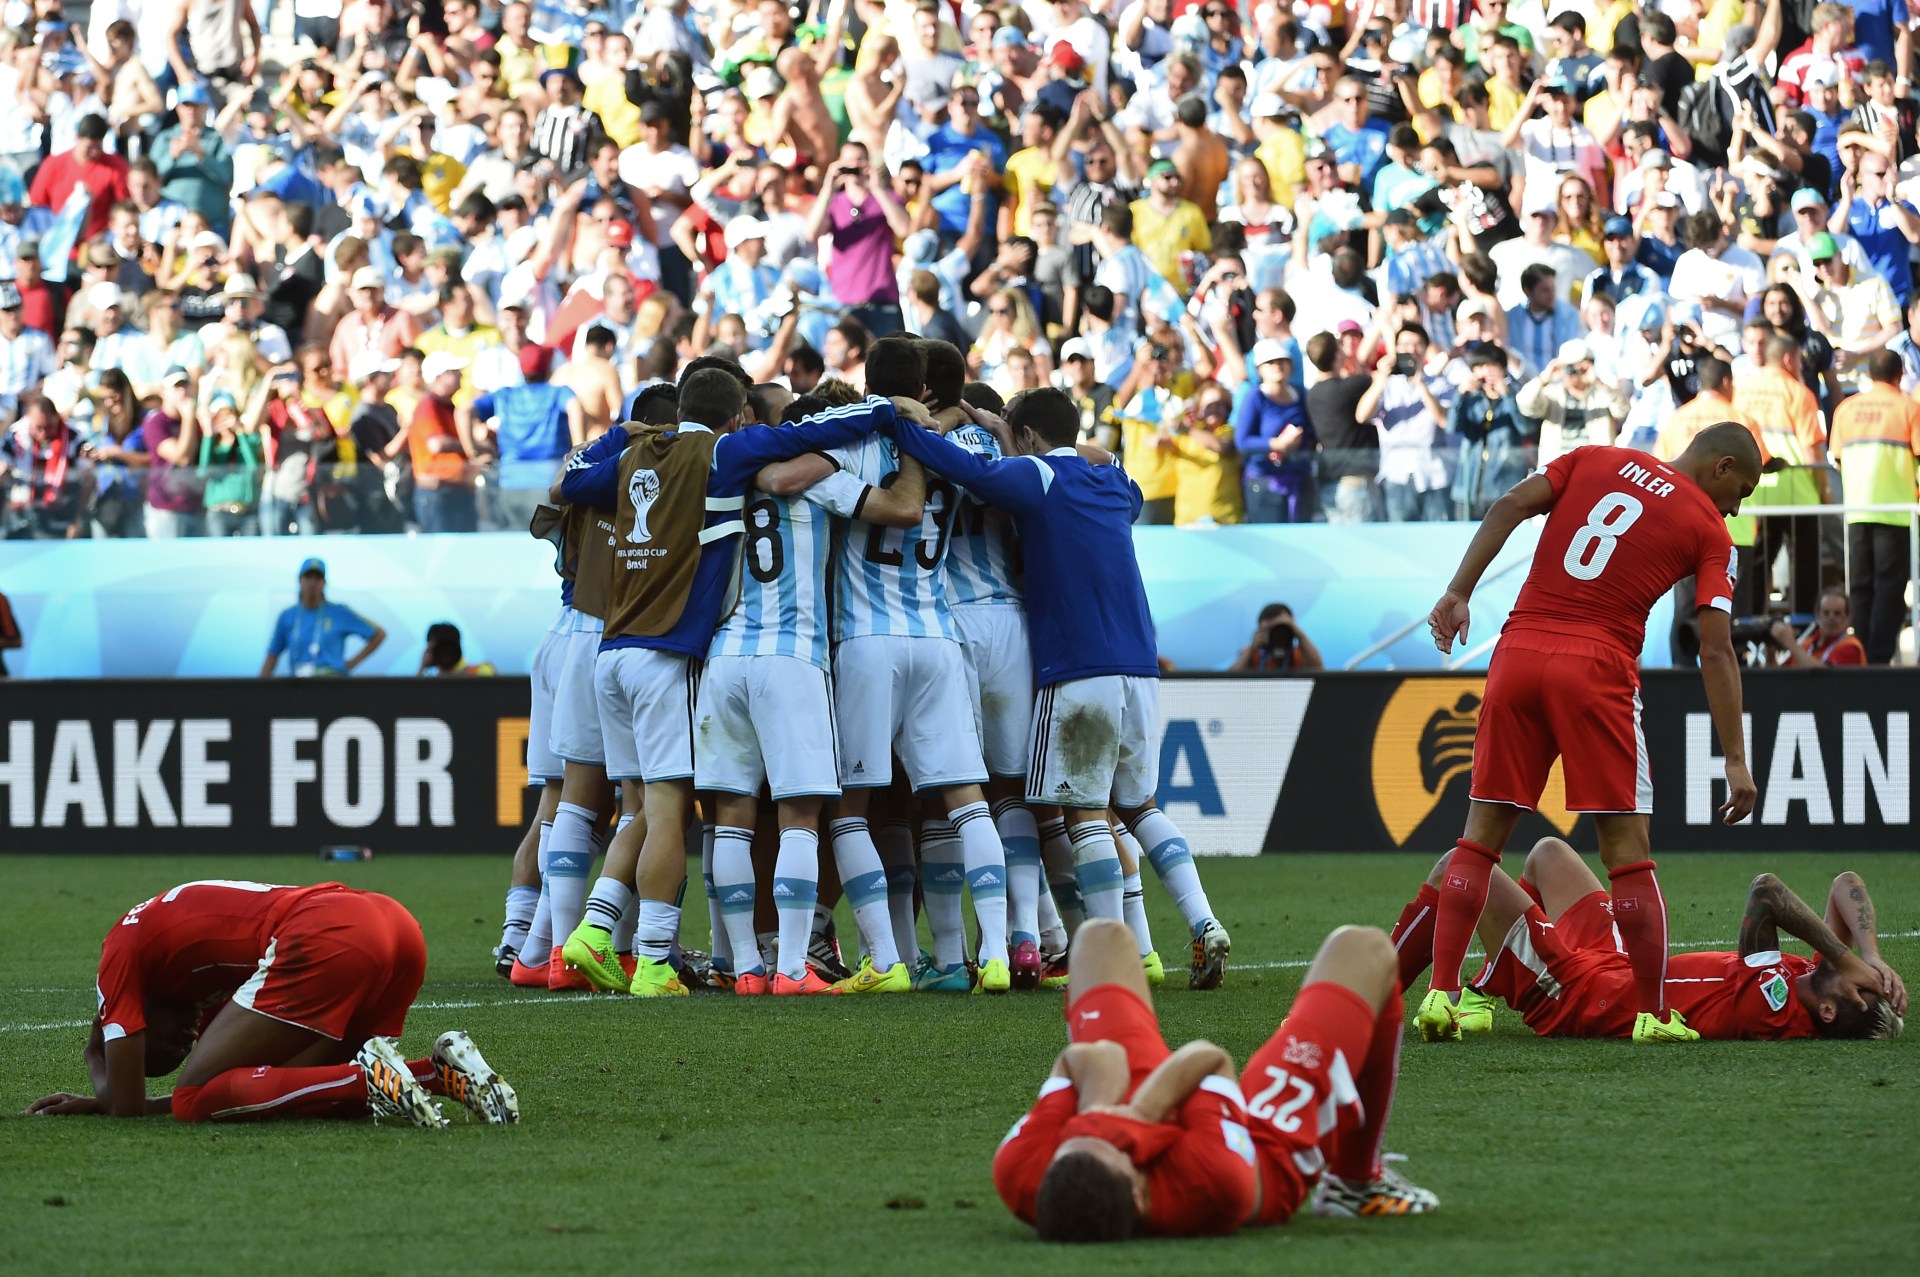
894,646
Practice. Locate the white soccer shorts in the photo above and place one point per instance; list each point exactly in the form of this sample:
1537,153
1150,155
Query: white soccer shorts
573,733
765,719
1096,742
993,637
905,696
646,712
542,763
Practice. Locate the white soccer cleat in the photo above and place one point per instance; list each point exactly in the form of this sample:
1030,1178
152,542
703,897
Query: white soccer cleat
392,1090
1391,1194
469,1079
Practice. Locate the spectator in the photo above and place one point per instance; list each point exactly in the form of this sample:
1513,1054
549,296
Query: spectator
1275,439
372,325
88,166
1621,275
537,422
1717,275
1279,645
313,633
229,470
171,436
26,356
864,218
1575,408
42,469
1092,396
195,168
10,637
1860,315
1011,325
1876,438
443,496
1407,400
117,448
1541,324
1886,227
1794,434
1206,466
1350,447
1147,405
443,657
1496,439
1827,643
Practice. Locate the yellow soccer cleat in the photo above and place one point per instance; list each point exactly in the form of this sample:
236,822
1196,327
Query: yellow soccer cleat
895,979
653,978
589,950
1156,970
1475,1012
995,977
1438,1019
1054,973
1648,1027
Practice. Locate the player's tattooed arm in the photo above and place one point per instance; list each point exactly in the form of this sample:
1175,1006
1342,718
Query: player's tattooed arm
1772,907
1851,915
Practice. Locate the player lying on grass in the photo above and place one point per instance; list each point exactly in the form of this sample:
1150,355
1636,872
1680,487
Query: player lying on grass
1129,1137
272,1002
1558,961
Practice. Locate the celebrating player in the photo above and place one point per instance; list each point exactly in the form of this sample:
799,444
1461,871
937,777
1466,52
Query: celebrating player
1129,1137
1096,725
1622,529
299,990
1557,960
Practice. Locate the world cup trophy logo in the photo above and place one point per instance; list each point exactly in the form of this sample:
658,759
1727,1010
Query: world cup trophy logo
643,489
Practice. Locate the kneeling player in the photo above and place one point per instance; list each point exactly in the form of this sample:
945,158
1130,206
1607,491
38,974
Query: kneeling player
1556,958
298,990
1129,1137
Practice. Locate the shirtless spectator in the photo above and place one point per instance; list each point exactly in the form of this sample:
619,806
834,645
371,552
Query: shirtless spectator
800,114
594,381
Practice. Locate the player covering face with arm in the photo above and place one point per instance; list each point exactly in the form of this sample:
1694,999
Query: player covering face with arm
1622,529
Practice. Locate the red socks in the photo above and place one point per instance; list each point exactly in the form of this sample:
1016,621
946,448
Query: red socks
1356,1151
1413,934
1640,913
252,1095
1463,894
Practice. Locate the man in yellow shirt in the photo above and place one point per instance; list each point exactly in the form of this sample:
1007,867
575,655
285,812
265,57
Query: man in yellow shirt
1206,468
1164,225
1876,438
1281,148
458,334
1789,416
1032,171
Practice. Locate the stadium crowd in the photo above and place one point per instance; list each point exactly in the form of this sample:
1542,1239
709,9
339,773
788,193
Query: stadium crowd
1371,260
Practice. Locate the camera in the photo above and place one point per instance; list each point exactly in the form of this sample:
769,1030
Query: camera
1159,350
1759,629
1280,638
1404,366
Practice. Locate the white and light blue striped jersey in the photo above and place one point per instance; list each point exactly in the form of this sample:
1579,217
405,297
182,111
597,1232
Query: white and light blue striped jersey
891,580
783,582
983,555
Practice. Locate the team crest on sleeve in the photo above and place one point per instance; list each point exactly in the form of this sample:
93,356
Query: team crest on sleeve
1304,1055
643,489
1238,1140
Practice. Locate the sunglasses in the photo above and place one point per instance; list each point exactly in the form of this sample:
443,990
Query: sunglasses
999,310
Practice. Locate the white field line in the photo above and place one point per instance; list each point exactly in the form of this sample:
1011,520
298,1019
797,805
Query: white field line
461,1004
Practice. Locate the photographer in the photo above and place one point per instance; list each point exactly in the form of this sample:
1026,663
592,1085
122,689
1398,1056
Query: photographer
1278,644
1574,407
863,220
1408,400
1496,437
1828,642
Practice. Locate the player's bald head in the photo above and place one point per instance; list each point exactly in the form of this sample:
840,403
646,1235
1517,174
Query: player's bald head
1724,459
1727,439
1087,1195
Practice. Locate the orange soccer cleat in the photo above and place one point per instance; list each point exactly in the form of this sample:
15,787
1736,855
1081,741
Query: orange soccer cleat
785,986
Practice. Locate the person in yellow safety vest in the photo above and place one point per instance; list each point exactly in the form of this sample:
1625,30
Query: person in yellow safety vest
1713,405
1792,432
1876,439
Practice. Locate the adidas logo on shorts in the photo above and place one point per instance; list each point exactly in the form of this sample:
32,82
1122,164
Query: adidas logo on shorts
859,769
1063,788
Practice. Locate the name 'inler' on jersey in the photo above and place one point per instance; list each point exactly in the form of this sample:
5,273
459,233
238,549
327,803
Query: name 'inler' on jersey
983,554
783,582
892,580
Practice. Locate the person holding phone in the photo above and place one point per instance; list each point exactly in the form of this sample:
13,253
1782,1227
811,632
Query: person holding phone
1408,400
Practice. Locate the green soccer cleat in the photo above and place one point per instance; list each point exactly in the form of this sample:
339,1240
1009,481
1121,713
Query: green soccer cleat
1210,950
466,1077
994,977
589,950
895,979
931,978
1439,1018
1156,970
1475,1012
1648,1027
655,978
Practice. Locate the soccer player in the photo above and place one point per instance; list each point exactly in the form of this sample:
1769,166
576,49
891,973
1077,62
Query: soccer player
1096,725
1622,529
765,712
1556,958
1129,1137
273,1002
669,586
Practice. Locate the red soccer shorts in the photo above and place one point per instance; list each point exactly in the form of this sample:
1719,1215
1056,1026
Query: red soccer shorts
1571,698
1299,1090
1568,977
344,964
1114,1013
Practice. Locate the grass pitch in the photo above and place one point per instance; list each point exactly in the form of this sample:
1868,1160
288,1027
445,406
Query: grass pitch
855,1136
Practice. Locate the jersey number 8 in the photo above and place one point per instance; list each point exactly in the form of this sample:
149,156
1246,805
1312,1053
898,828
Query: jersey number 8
1594,543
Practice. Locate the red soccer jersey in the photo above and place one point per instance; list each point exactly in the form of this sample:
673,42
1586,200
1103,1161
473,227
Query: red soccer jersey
196,944
1726,998
1624,529
1199,1164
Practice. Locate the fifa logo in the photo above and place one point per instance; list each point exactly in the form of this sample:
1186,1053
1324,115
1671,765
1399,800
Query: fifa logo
643,489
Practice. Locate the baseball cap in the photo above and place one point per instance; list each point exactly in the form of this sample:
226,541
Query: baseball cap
1267,106
27,250
742,229
1558,84
208,239
1067,58
1158,167
1575,352
1075,348
1821,247
1666,199
1471,307
515,294
536,362
1269,351
195,92
1617,227
222,399
313,567
1656,159
1824,76
176,376
761,82
652,112
241,284
365,203
565,73
368,277
104,295
371,363
1807,197
1346,326
925,93
620,233
441,361
1011,38
9,295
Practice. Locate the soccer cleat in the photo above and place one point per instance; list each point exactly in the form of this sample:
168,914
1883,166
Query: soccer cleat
589,951
1438,1018
932,978
505,959
656,978
469,1079
1391,1194
1026,965
1475,1012
750,984
1210,950
785,986
824,956
1053,972
994,977
392,1090
563,976
895,979
1648,1027
1154,968
525,977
